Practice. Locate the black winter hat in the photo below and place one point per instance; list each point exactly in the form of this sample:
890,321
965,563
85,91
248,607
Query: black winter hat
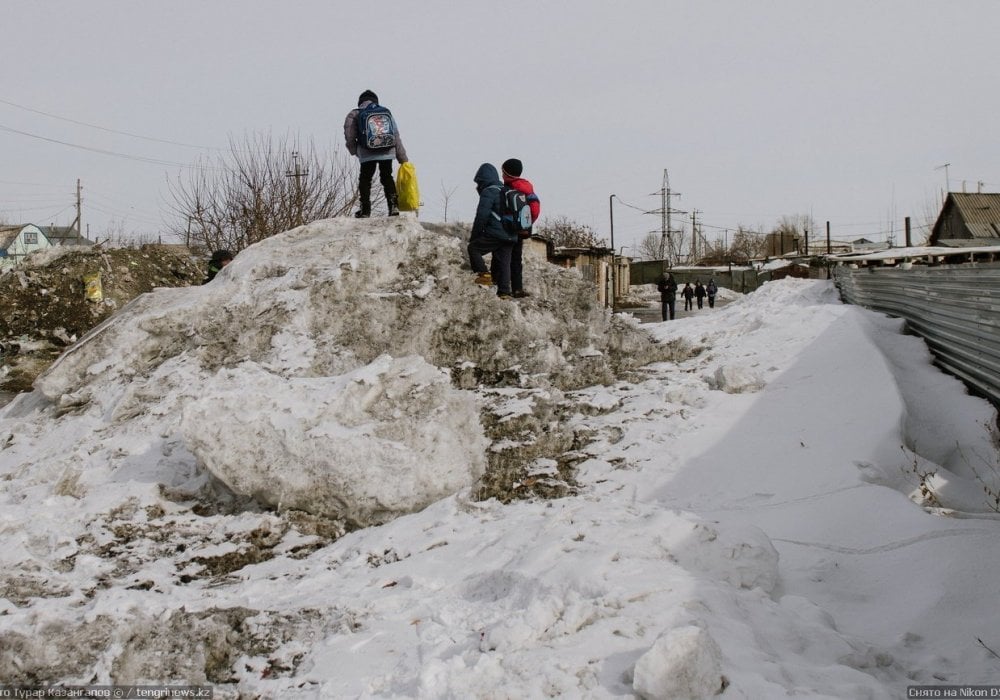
512,166
219,256
367,96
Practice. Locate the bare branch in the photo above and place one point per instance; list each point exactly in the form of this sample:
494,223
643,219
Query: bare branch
261,187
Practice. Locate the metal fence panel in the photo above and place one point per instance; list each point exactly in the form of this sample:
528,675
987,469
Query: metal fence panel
954,308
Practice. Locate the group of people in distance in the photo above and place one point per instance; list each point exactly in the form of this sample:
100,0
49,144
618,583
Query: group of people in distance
489,235
668,295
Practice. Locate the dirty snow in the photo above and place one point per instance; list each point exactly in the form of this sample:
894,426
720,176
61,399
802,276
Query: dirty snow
280,484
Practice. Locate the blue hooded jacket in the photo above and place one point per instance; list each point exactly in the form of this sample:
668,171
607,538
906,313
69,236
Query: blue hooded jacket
487,222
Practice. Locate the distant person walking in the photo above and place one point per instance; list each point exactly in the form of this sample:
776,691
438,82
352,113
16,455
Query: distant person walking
489,236
372,135
219,260
668,296
688,295
711,289
511,171
699,292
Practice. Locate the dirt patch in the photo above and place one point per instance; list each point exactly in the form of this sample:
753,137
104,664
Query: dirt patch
44,305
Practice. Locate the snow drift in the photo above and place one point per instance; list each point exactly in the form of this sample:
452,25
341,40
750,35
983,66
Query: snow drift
736,521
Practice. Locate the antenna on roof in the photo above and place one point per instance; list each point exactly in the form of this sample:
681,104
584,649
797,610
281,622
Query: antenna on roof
947,182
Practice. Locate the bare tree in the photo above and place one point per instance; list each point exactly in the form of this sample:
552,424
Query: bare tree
446,196
921,233
746,245
565,233
790,231
714,253
673,248
260,187
650,247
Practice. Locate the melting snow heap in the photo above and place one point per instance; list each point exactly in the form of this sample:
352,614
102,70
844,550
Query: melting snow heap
324,370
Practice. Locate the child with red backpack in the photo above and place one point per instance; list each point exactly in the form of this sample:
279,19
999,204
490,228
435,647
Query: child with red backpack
511,171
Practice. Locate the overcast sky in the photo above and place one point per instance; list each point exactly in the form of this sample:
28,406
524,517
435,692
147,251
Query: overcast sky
842,110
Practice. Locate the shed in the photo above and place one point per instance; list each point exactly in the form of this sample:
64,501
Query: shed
967,217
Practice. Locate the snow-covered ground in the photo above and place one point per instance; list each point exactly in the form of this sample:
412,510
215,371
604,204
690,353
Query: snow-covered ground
275,484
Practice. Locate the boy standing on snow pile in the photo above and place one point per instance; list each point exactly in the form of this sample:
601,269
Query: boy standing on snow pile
512,169
375,145
488,234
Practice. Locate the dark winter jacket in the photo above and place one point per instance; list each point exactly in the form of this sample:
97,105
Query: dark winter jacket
667,288
364,154
712,289
217,262
699,291
487,222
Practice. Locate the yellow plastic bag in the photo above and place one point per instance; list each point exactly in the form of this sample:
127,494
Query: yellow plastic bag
92,288
406,187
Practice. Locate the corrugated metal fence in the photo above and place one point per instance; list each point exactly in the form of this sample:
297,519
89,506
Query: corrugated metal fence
954,308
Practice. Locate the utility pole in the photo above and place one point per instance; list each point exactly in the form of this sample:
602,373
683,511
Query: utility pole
297,174
79,211
611,217
694,236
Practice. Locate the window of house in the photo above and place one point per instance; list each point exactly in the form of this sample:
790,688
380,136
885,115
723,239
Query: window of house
30,238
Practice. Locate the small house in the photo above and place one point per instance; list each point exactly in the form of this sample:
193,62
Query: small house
17,241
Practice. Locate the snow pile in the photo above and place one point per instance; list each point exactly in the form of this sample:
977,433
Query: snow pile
352,335
388,438
705,541
683,664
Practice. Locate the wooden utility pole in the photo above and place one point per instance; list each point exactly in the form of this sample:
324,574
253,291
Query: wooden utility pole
828,238
79,209
906,223
694,236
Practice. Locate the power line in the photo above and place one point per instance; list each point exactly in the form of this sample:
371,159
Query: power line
143,159
30,184
631,206
102,128
125,216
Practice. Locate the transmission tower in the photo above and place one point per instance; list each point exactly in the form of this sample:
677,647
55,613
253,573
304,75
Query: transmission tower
666,232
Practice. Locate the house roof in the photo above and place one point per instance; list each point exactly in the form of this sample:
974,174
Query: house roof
916,252
7,235
64,235
979,212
